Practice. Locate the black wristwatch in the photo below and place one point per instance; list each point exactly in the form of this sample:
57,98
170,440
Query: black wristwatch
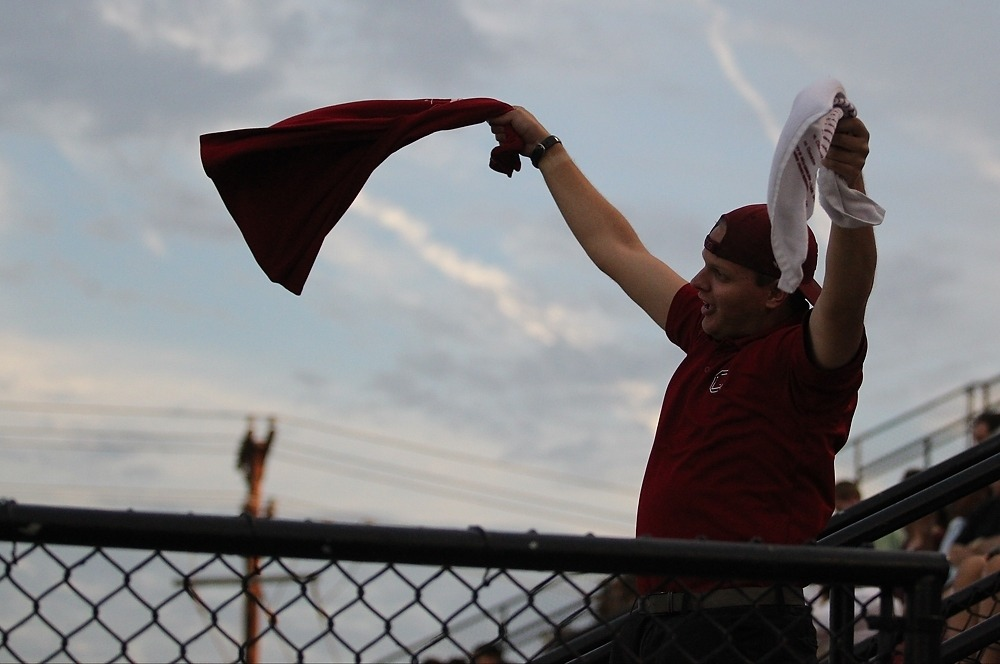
543,147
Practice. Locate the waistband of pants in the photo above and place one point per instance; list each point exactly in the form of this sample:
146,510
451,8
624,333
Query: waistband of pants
679,602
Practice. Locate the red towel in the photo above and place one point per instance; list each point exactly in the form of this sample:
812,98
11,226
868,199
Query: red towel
287,185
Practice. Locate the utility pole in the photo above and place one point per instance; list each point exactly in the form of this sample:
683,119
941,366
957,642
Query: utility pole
250,459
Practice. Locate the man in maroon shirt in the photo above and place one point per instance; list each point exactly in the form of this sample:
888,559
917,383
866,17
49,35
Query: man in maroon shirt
753,415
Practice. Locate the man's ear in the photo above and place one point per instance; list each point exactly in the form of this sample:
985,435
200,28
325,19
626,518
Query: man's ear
776,297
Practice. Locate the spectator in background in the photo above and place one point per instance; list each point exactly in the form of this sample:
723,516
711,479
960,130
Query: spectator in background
957,514
985,425
845,494
973,552
926,532
980,534
922,534
488,653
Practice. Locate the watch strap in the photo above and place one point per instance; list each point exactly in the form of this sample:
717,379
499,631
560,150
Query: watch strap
543,146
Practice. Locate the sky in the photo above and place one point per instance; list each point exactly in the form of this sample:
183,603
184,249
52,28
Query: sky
454,359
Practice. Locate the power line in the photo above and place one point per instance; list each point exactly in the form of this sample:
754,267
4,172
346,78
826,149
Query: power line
503,497
93,447
178,412
137,443
547,474
498,497
133,494
47,432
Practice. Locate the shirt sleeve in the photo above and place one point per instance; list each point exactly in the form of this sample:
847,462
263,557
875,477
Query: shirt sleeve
817,391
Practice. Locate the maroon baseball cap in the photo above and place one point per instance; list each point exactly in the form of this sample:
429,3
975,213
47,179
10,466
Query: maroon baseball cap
747,242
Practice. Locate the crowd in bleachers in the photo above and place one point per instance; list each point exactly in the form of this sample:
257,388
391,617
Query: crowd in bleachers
967,532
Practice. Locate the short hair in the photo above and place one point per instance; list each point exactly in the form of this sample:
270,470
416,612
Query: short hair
490,651
990,418
846,490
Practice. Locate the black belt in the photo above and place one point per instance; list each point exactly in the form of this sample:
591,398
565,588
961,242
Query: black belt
679,602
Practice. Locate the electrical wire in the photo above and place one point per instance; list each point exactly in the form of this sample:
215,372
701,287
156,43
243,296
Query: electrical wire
496,497
547,474
110,440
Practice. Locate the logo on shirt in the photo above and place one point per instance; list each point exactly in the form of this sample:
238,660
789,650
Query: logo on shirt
717,382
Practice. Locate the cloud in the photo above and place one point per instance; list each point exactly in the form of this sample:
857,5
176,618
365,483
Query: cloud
979,149
546,324
223,35
638,402
7,204
47,369
733,73
724,56
131,69
154,242
419,321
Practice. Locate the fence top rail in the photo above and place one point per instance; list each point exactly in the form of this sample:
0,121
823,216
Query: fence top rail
472,547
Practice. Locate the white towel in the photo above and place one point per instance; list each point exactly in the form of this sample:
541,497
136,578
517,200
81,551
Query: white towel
848,208
791,189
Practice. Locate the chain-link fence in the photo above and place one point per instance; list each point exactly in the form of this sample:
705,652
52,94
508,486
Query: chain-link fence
91,585
90,605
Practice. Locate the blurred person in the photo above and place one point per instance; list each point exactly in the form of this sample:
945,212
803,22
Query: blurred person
957,513
754,414
980,532
845,494
984,425
488,653
973,552
922,534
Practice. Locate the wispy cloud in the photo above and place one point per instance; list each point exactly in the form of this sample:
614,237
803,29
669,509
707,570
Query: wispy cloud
638,402
153,241
719,43
547,324
728,63
6,195
190,28
979,150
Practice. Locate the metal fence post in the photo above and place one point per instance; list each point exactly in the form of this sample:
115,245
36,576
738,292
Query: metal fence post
886,639
924,621
841,624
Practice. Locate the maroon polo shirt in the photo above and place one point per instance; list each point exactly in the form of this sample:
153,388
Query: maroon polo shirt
747,434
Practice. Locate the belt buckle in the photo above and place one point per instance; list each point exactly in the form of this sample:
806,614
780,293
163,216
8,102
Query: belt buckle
678,602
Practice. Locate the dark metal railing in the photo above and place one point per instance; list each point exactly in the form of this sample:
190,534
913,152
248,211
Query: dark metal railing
924,493
933,480
386,583
917,496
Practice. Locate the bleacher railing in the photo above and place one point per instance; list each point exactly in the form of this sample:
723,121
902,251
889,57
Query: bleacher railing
924,493
921,436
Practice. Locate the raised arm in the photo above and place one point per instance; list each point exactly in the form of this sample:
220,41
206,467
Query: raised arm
602,231
836,326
